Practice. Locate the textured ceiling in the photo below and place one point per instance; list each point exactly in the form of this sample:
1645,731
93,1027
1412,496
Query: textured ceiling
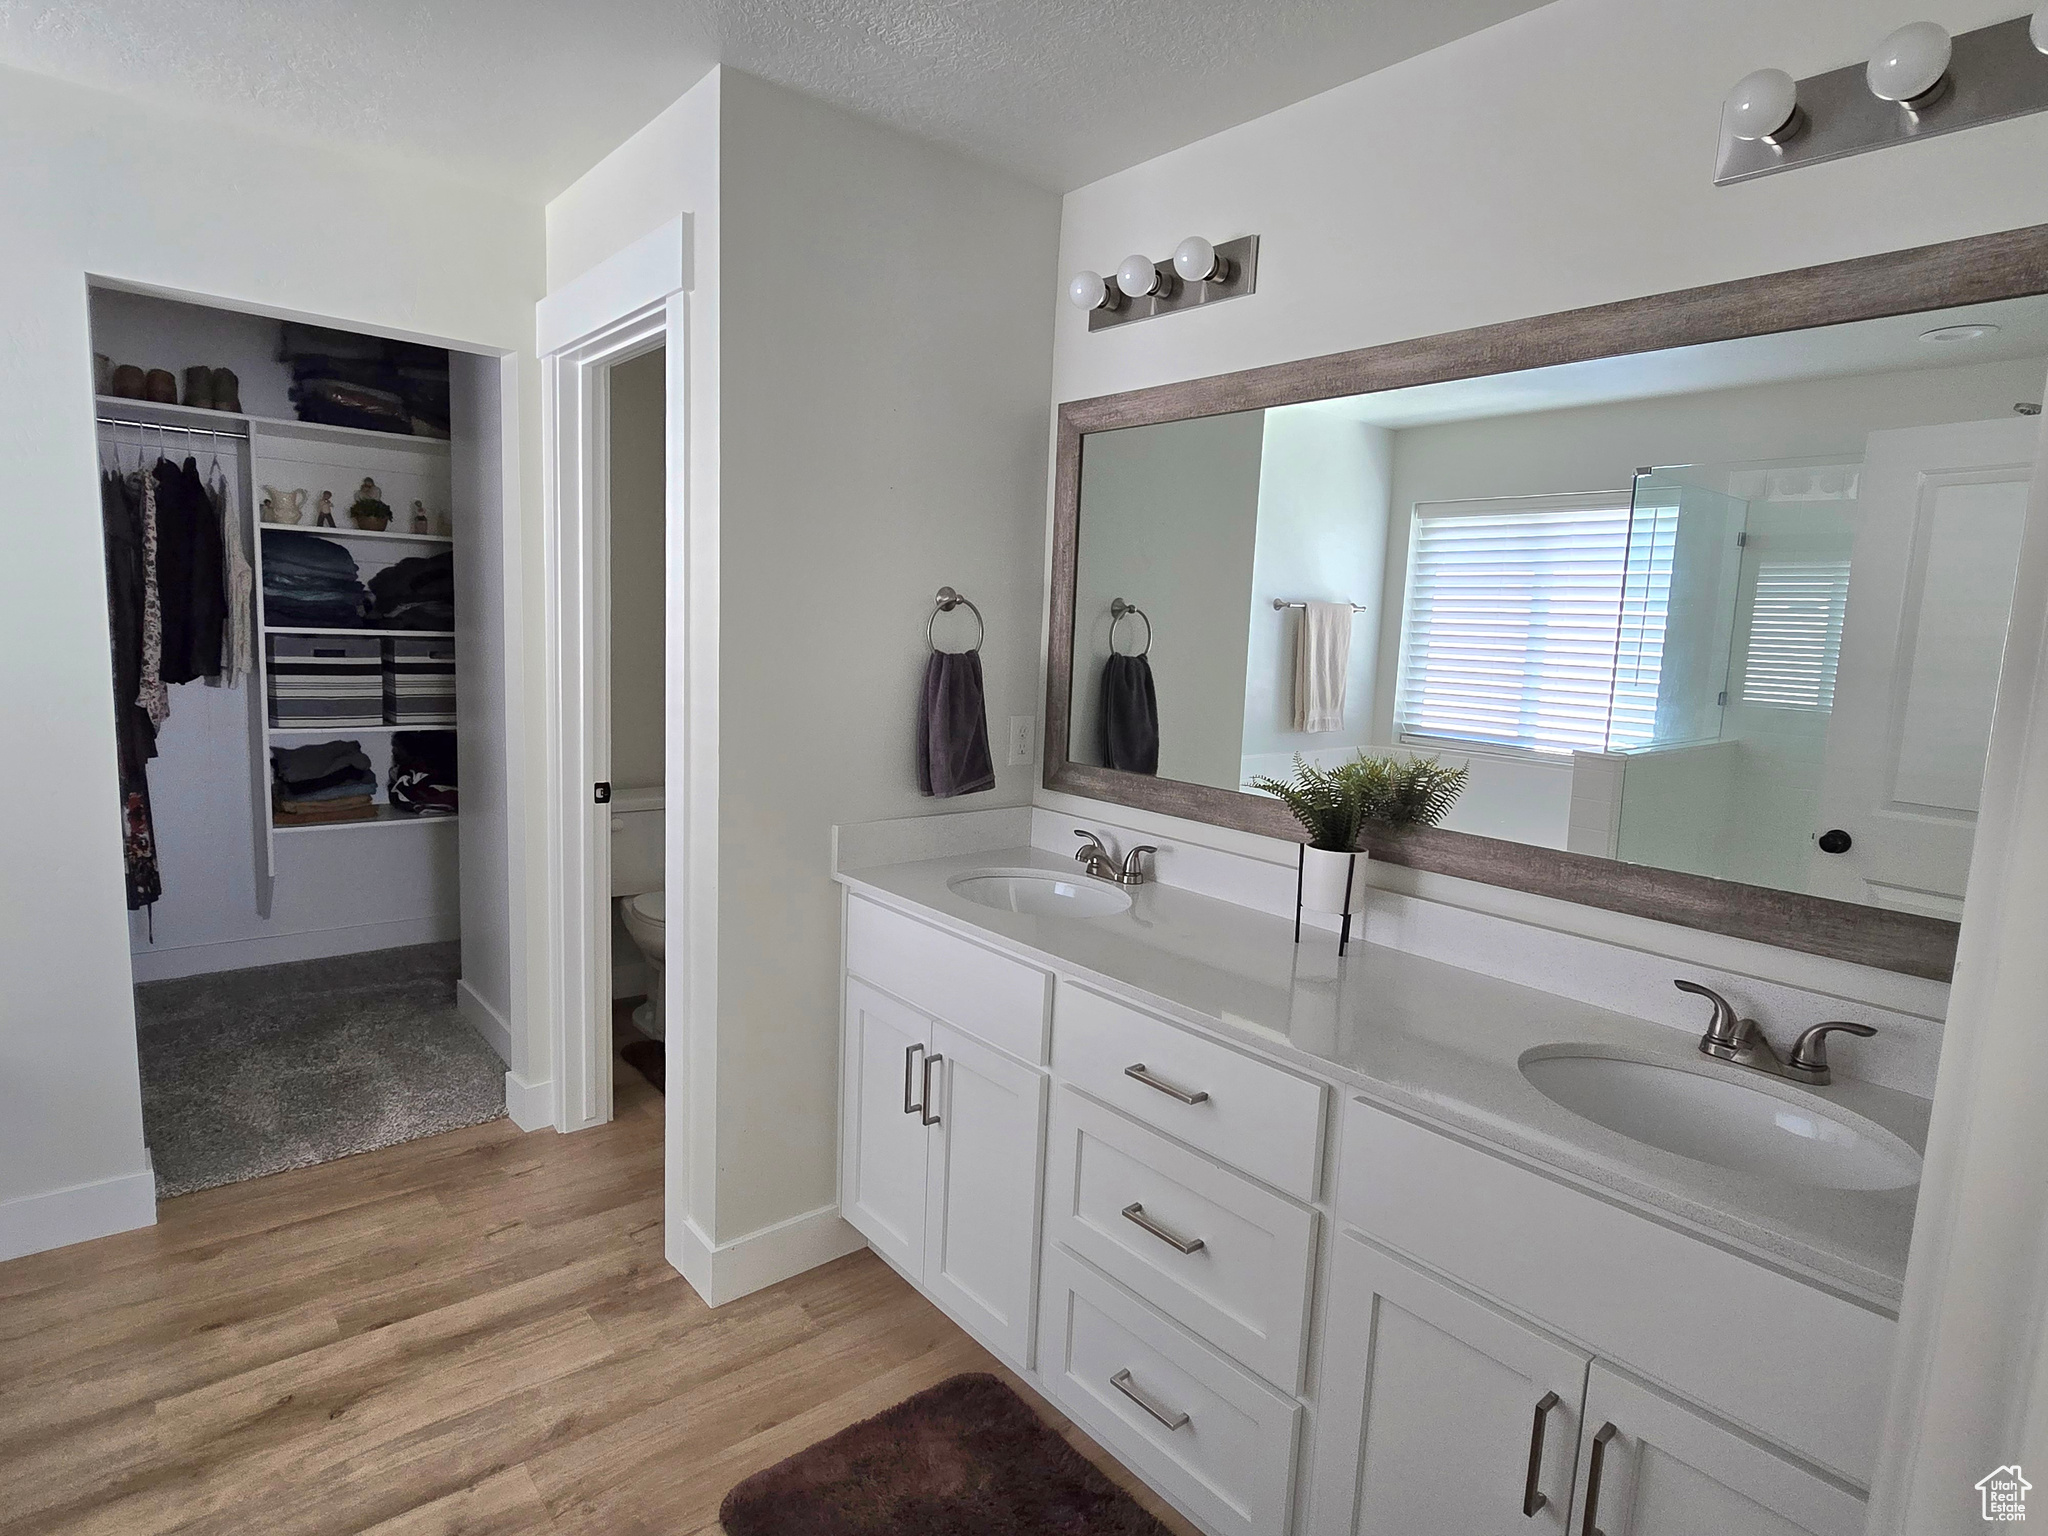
530,93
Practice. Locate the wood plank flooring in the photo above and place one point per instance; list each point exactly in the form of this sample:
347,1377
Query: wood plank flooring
475,1333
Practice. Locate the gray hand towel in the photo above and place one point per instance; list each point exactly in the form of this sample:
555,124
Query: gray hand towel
952,727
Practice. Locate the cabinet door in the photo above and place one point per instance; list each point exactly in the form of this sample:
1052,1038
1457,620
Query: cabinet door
1434,1407
1650,1467
882,1145
981,1216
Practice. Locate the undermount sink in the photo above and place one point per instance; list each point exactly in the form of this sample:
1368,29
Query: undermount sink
1728,1124
1041,893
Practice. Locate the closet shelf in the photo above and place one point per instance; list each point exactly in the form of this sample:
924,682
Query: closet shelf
375,634
276,426
356,533
338,731
385,817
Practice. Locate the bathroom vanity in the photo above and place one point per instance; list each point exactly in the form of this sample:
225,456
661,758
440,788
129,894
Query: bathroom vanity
1304,1245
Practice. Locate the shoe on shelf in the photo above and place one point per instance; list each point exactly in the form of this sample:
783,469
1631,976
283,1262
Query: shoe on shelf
199,388
161,387
227,390
126,383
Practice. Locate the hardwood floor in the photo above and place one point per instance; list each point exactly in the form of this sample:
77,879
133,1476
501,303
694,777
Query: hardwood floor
468,1334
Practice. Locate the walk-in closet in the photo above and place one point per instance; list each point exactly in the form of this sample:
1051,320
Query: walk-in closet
305,547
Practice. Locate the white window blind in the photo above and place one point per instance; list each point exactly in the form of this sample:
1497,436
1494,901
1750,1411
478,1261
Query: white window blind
1795,634
1524,617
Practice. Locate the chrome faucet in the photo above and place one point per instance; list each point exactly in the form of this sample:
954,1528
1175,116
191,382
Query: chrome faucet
1095,858
1741,1041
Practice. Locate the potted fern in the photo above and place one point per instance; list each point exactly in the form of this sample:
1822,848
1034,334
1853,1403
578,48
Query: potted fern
1334,804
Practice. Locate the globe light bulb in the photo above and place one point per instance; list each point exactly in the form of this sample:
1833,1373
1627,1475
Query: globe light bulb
1910,64
1195,260
1762,105
1137,277
2038,29
1087,290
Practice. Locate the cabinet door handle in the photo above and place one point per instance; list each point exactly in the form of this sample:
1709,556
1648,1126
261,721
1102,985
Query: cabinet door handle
1143,1074
1122,1382
1593,1471
910,1052
1533,1498
924,1110
1135,1214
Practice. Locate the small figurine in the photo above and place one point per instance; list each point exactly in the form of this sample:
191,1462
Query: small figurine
368,511
324,510
283,508
419,517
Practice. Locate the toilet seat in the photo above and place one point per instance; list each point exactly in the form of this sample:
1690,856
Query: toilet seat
652,907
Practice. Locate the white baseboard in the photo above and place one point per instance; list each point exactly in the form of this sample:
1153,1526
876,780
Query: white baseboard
485,1020
723,1272
62,1217
167,964
531,1105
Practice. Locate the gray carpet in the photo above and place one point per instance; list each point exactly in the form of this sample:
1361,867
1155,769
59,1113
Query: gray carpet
252,1072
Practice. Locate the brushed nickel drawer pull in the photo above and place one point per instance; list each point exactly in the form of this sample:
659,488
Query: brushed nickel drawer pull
909,1055
1135,1214
1599,1465
1534,1498
1143,1074
924,1110
1122,1382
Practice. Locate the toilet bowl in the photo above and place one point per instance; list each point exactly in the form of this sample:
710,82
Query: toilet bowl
646,919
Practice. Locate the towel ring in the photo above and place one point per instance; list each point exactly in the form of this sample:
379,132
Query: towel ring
1121,610
947,601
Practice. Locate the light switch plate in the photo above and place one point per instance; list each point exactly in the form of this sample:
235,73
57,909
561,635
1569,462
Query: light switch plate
1020,740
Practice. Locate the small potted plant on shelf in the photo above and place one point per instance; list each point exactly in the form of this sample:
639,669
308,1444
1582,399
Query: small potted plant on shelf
1334,804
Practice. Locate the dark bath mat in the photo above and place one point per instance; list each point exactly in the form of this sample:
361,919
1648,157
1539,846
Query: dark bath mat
964,1458
650,1059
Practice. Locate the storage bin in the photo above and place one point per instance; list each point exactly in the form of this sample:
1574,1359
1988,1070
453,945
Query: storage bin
419,681
325,680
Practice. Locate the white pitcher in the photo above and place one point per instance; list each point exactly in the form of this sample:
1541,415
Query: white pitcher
283,507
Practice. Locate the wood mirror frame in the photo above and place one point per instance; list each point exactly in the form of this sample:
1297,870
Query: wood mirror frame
2010,265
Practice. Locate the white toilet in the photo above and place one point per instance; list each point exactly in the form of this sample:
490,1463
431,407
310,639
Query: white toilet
638,853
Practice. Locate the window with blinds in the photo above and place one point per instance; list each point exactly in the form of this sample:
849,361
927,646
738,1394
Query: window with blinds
1795,634
1531,624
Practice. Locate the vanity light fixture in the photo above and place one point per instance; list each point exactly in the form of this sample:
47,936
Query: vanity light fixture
1911,66
1917,83
1198,273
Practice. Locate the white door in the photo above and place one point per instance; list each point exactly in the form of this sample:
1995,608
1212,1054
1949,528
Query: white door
981,1216
883,1139
1440,1415
1930,591
1650,1467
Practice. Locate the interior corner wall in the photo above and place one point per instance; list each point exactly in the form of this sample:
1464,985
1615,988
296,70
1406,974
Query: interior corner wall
95,184
884,377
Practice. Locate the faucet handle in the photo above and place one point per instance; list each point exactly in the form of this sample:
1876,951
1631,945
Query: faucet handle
1810,1050
1724,1026
1134,867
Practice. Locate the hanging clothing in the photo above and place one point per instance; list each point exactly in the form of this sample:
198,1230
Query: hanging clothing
238,643
134,731
191,579
150,692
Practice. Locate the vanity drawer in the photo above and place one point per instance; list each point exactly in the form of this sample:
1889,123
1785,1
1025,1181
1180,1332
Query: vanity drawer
1001,1000
1784,1359
1120,1195
1252,1115
1211,1437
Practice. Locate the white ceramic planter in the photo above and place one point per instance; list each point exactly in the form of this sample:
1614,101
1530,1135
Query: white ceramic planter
1324,876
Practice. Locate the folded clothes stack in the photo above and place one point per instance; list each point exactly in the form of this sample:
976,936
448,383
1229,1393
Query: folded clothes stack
310,582
415,594
423,772
328,781
348,380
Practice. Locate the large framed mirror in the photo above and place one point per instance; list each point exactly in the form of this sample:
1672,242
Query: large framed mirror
1708,591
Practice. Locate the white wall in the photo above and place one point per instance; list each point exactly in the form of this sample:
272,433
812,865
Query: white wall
95,185
638,477
1170,516
1323,488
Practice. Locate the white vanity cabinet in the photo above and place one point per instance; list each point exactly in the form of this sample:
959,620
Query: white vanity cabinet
942,1135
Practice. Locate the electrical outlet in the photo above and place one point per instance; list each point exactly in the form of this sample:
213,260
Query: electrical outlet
1020,740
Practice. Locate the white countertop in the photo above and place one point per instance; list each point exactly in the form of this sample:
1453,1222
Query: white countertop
1444,1045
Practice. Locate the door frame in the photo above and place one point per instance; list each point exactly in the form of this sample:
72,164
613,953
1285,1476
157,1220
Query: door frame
626,307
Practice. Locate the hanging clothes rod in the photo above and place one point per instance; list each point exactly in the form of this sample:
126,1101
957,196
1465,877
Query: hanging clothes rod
157,426
1281,602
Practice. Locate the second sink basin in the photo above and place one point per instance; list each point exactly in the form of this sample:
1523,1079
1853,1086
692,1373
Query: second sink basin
1041,893
1728,1124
